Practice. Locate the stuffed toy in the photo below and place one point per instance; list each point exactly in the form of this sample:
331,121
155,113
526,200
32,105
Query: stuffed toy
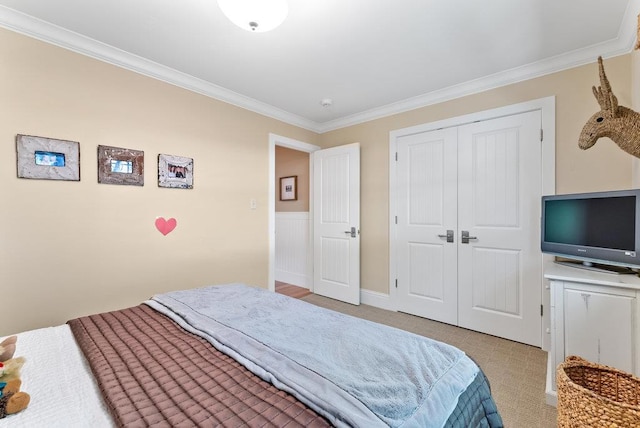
10,369
8,348
12,400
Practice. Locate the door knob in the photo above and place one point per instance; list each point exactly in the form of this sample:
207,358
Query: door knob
465,237
352,232
449,235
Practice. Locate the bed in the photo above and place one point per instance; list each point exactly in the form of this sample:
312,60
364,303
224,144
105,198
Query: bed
235,355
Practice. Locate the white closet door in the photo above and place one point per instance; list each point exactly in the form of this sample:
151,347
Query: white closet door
499,188
483,179
427,199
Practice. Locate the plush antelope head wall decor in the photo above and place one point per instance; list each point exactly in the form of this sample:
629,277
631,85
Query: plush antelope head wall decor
619,123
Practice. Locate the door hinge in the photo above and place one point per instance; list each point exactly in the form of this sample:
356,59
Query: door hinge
541,310
396,156
541,134
396,283
396,219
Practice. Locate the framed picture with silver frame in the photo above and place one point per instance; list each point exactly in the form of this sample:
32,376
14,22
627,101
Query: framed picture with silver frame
175,172
47,158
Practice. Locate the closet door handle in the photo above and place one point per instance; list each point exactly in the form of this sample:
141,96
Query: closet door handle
465,237
449,235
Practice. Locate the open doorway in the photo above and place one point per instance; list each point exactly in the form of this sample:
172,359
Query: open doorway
291,290
292,219
286,216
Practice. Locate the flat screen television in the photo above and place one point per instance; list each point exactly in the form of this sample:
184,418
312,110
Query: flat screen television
601,228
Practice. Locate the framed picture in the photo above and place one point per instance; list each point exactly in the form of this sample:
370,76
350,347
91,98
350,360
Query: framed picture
175,172
47,158
289,188
120,166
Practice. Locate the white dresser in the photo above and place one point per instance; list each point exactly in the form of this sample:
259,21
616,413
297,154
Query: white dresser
593,315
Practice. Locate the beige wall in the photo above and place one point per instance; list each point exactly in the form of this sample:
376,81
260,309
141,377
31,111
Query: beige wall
602,167
291,162
74,248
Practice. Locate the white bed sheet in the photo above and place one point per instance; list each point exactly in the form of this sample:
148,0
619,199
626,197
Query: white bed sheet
57,376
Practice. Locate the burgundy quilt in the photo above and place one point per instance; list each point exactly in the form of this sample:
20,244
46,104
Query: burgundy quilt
152,372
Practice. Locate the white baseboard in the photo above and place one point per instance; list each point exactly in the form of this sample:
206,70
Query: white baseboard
291,278
379,300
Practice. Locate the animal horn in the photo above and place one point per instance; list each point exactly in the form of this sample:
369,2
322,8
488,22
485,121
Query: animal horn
604,82
608,102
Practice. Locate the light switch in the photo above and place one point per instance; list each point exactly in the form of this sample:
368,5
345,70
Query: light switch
253,204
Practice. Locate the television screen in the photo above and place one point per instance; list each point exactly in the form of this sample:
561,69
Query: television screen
594,222
599,227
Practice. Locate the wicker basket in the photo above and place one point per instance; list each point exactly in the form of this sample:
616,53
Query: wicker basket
594,395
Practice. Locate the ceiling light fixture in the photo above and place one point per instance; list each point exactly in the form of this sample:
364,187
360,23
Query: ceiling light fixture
255,15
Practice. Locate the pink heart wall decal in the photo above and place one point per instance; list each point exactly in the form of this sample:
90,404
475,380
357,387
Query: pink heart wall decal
166,226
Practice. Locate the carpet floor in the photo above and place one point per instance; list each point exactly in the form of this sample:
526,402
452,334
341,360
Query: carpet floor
516,371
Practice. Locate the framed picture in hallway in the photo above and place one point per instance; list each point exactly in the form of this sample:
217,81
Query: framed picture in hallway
289,188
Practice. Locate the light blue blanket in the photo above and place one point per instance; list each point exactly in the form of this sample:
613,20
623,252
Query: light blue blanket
352,371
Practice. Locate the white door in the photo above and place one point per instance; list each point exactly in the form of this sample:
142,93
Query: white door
336,223
427,225
499,190
483,179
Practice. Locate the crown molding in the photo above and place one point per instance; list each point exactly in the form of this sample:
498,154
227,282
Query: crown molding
53,34
622,44
50,33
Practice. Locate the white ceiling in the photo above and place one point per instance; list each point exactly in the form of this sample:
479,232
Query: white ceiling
371,57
